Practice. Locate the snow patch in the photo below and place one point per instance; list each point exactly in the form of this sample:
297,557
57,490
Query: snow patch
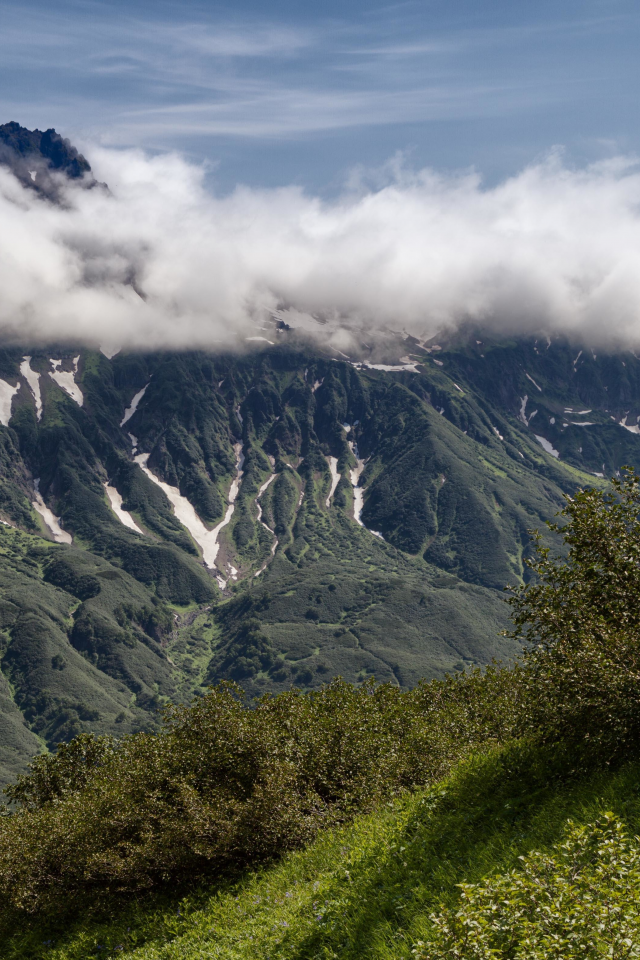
7,393
115,501
67,379
33,379
358,491
261,338
335,477
533,382
206,539
631,427
546,446
274,545
523,407
52,522
405,364
129,412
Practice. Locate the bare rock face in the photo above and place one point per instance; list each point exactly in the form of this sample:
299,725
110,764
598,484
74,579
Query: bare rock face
42,161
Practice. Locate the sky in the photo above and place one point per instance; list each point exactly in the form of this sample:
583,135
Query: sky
355,168
279,93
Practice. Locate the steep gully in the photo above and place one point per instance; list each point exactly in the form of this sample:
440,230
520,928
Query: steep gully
208,539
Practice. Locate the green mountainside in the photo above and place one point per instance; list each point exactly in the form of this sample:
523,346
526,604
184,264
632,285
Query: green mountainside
490,814
441,440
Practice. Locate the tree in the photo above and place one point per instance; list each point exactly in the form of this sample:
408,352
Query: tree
579,620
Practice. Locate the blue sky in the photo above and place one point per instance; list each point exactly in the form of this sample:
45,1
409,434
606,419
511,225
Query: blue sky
287,92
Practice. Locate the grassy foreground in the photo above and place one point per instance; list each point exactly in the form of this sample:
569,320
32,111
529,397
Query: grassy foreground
366,890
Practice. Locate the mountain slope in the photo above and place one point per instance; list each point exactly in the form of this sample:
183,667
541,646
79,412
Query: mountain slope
295,587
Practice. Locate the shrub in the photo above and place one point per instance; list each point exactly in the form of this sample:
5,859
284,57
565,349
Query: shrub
580,621
229,783
582,901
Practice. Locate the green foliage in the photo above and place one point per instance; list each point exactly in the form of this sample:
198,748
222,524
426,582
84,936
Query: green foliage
228,784
579,619
579,902
52,777
366,890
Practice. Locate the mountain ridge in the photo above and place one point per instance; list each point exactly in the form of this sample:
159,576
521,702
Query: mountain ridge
273,513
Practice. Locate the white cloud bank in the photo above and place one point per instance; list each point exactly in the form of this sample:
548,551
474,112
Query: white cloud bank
160,262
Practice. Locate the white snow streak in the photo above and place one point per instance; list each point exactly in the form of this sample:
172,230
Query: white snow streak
33,379
206,539
115,501
631,427
67,379
335,477
274,545
52,522
7,393
129,412
546,445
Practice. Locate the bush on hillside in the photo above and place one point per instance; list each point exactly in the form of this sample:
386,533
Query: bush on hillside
580,621
579,902
228,783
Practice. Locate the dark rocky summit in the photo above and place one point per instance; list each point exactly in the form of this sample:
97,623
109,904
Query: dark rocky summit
39,159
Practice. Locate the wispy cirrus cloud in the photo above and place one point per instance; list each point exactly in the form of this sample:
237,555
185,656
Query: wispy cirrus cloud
220,73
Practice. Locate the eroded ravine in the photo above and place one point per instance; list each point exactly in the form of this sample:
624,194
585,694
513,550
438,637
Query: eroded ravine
274,545
184,511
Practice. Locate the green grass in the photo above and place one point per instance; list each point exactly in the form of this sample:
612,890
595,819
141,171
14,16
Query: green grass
365,891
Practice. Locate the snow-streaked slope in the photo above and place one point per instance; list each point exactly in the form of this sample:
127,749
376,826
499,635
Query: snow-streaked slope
546,446
33,379
129,412
67,379
52,522
335,477
7,393
115,501
206,539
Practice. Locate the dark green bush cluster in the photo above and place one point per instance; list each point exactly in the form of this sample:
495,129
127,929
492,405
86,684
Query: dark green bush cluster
580,621
228,783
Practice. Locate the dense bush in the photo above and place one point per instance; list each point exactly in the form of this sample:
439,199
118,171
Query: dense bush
229,783
580,621
579,902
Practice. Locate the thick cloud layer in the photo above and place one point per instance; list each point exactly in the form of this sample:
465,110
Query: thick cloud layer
159,262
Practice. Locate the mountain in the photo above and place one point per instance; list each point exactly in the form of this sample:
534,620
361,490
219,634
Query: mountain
38,158
276,516
132,460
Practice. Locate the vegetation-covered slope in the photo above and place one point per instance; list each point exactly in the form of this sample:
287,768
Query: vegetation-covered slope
495,812
450,477
371,889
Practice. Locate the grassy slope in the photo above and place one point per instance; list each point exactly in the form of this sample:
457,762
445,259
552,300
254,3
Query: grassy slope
72,663
367,890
